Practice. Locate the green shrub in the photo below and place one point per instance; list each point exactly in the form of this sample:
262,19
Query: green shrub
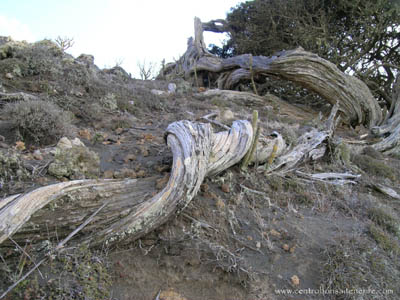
38,122
374,166
384,218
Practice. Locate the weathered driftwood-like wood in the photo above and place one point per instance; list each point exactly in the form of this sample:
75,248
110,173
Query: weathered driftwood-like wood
306,144
131,210
390,130
299,66
331,178
385,190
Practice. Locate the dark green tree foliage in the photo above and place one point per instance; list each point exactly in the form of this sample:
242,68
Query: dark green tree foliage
361,37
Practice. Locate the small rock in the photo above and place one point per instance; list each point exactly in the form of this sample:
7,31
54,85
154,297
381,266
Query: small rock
225,188
125,173
112,138
291,250
64,143
37,155
77,142
157,92
85,133
129,157
20,146
2,138
220,203
145,152
227,115
258,245
119,130
108,174
286,247
295,280
171,88
9,76
141,173
4,145
275,233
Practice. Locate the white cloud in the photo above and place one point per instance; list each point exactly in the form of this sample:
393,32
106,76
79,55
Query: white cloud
14,28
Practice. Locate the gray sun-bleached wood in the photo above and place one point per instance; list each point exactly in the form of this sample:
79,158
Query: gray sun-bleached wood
131,210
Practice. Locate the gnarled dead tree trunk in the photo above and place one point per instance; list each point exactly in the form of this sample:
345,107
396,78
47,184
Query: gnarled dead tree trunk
306,69
129,210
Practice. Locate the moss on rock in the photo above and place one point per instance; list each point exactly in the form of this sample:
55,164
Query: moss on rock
75,162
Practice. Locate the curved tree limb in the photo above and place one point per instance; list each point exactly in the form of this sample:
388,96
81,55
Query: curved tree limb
130,211
301,67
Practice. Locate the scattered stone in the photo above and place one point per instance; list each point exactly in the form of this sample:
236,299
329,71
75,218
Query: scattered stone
119,130
37,155
141,173
295,280
204,187
20,146
77,142
129,157
9,76
157,92
225,188
171,88
220,204
125,173
227,116
112,138
258,245
145,152
64,143
291,250
109,174
286,247
85,133
274,233
73,160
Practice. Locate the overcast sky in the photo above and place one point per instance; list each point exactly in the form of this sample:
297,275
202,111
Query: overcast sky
113,30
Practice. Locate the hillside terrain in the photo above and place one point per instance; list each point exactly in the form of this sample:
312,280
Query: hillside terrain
247,234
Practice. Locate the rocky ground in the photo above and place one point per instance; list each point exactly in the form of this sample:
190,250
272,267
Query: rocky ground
246,235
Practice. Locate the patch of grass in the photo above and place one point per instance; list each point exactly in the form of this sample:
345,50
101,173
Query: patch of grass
127,105
373,166
275,182
38,122
74,274
356,264
384,240
341,153
385,219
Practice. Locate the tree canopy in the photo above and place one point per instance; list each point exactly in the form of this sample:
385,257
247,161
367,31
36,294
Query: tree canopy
360,37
